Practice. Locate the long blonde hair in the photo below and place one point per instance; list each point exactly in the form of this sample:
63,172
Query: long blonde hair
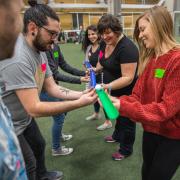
162,28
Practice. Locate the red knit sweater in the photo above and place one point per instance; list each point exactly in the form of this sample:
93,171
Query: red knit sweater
155,100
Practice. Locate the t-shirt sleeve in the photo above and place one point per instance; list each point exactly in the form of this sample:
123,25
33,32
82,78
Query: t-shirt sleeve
48,71
18,76
128,53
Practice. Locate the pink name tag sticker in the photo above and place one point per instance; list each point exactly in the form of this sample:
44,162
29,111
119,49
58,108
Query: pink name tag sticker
43,67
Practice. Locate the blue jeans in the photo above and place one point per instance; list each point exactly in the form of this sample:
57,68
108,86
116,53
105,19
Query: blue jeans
58,121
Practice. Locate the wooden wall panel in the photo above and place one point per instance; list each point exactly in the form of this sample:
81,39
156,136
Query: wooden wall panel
66,21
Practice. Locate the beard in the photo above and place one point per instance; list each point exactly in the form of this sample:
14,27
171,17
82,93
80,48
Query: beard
40,44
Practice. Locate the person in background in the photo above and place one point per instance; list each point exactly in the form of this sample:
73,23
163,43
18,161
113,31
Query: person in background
11,160
25,76
155,100
91,48
118,59
61,37
56,60
81,34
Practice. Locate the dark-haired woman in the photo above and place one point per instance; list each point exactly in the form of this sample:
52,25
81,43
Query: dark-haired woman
91,47
118,58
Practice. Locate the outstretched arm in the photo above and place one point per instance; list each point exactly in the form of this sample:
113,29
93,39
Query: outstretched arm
128,73
60,92
36,108
68,68
66,78
163,110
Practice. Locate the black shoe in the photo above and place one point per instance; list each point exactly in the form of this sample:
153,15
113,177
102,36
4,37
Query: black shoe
52,175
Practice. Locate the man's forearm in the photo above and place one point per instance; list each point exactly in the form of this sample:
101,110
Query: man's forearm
60,92
53,108
64,93
34,107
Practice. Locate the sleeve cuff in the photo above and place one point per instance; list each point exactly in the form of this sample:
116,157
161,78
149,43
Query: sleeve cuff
124,109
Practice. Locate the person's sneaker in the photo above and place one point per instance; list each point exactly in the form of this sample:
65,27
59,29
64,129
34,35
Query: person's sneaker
93,117
117,156
109,139
66,137
63,151
52,175
104,126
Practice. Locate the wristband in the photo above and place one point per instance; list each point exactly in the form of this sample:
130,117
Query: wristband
109,89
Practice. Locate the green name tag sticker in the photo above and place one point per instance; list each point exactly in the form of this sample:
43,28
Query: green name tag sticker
159,73
56,54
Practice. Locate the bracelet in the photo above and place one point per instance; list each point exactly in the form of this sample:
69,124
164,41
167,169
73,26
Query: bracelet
109,89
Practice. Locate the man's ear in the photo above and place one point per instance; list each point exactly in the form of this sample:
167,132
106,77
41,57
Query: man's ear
32,28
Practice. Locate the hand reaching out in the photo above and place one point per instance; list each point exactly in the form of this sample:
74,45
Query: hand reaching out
89,97
85,79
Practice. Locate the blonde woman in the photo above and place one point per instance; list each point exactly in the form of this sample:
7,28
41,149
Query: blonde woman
155,101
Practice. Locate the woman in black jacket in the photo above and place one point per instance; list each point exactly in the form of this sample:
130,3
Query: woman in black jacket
56,60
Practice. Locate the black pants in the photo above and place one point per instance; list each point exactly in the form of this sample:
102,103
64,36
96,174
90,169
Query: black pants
33,148
124,133
161,157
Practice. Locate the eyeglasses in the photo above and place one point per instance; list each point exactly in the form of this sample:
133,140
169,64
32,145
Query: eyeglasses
53,34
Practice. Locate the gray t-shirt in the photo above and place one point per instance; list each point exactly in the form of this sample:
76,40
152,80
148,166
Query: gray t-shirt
27,69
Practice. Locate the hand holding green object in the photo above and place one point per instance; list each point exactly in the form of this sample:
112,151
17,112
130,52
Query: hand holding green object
109,108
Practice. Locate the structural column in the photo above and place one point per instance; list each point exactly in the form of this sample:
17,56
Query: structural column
114,7
50,1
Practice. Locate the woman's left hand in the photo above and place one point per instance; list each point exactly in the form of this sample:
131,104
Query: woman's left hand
107,88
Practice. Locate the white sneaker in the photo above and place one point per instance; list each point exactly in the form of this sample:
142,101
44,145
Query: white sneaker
63,151
93,117
66,137
104,126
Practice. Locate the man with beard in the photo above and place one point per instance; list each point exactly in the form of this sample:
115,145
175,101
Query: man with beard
25,77
11,160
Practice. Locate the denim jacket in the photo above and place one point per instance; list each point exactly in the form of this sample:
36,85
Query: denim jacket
11,160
